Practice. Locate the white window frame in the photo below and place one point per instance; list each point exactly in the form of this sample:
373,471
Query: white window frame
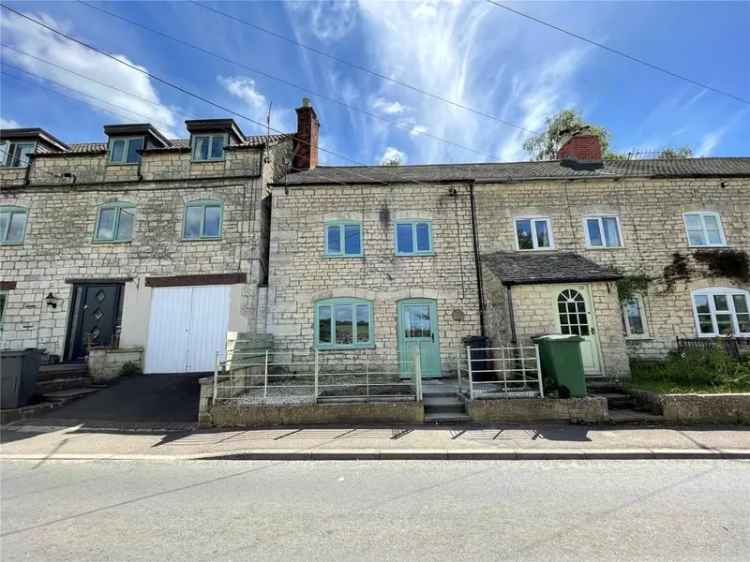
703,214
534,240
124,161
710,293
598,218
628,330
12,210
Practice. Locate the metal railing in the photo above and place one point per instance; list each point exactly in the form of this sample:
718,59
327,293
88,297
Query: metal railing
500,372
735,347
314,376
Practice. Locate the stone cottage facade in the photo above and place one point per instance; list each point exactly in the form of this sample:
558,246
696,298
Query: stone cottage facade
141,242
630,255
164,246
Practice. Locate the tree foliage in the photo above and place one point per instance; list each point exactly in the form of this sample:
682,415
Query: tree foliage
544,146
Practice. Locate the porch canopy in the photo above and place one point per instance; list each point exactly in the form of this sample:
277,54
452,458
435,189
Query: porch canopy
518,268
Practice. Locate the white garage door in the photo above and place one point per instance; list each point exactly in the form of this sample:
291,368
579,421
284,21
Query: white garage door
188,325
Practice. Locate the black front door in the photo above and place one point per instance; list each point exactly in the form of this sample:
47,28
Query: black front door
95,320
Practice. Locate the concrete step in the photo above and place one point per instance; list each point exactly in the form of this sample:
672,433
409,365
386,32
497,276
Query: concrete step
446,418
52,385
445,409
634,416
604,386
62,370
618,401
68,394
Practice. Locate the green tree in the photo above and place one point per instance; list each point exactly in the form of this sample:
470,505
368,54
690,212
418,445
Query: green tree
544,146
669,153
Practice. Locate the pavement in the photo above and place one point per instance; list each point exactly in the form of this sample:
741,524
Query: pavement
558,511
86,441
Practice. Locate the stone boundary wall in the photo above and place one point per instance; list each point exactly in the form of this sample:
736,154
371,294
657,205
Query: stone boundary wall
223,414
698,408
576,410
105,363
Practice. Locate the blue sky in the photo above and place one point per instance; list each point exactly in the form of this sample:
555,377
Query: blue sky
470,52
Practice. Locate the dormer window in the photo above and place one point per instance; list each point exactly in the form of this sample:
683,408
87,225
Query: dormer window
125,150
16,154
208,147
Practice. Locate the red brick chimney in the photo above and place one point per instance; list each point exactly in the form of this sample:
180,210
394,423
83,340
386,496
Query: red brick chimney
306,139
581,147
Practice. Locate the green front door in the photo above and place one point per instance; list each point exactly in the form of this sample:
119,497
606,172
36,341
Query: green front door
418,330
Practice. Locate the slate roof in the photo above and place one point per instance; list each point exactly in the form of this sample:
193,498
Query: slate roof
521,268
181,144
514,171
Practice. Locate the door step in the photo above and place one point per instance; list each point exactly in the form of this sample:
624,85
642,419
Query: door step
448,417
62,371
634,416
52,385
68,394
618,400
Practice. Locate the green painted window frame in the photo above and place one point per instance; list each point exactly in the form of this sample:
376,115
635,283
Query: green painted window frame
341,225
125,151
13,210
9,154
203,203
117,206
340,302
211,137
413,223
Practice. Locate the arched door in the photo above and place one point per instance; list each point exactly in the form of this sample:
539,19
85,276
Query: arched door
575,319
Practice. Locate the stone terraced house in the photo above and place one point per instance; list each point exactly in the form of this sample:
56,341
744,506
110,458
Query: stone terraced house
165,246
141,243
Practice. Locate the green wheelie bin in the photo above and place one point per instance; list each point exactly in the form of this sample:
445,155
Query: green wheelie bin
561,364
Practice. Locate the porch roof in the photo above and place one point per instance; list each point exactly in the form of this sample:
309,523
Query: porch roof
519,268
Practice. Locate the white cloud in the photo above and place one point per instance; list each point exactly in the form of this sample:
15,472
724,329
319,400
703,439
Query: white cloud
387,106
8,124
257,103
328,21
417,130
393,154
143,105
713,139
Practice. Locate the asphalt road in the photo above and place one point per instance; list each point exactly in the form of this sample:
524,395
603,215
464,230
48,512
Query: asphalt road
393,510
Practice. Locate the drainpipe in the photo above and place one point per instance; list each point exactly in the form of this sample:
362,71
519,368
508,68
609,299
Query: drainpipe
511,314
477,260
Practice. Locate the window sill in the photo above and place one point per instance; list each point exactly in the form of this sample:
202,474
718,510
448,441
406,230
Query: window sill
343,256
536,249
122,163
601,248
112,241
639,338
208,161
708,246
11,243
217,239
415,255
13,167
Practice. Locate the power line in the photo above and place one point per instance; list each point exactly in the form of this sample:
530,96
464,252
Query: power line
392,122
202,98
619,53
365,69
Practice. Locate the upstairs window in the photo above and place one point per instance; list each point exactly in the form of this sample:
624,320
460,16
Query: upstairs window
603,232
343,239
413,238
12,225
125,150
533,233
704,229
343,323
114,222
722,312
16,154
203,220
208,147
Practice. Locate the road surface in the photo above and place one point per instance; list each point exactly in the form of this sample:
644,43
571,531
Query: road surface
388,510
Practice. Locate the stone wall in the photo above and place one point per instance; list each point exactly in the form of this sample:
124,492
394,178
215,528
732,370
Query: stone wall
105,364
301,274
651,221
576,410
59,245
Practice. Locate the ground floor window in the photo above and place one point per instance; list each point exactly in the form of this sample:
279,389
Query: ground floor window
343,323
634,318
3,300
722,312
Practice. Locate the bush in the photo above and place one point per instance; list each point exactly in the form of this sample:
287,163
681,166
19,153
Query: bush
130,369
714,368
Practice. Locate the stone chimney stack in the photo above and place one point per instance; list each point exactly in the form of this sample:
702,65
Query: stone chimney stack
582,147
306,139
